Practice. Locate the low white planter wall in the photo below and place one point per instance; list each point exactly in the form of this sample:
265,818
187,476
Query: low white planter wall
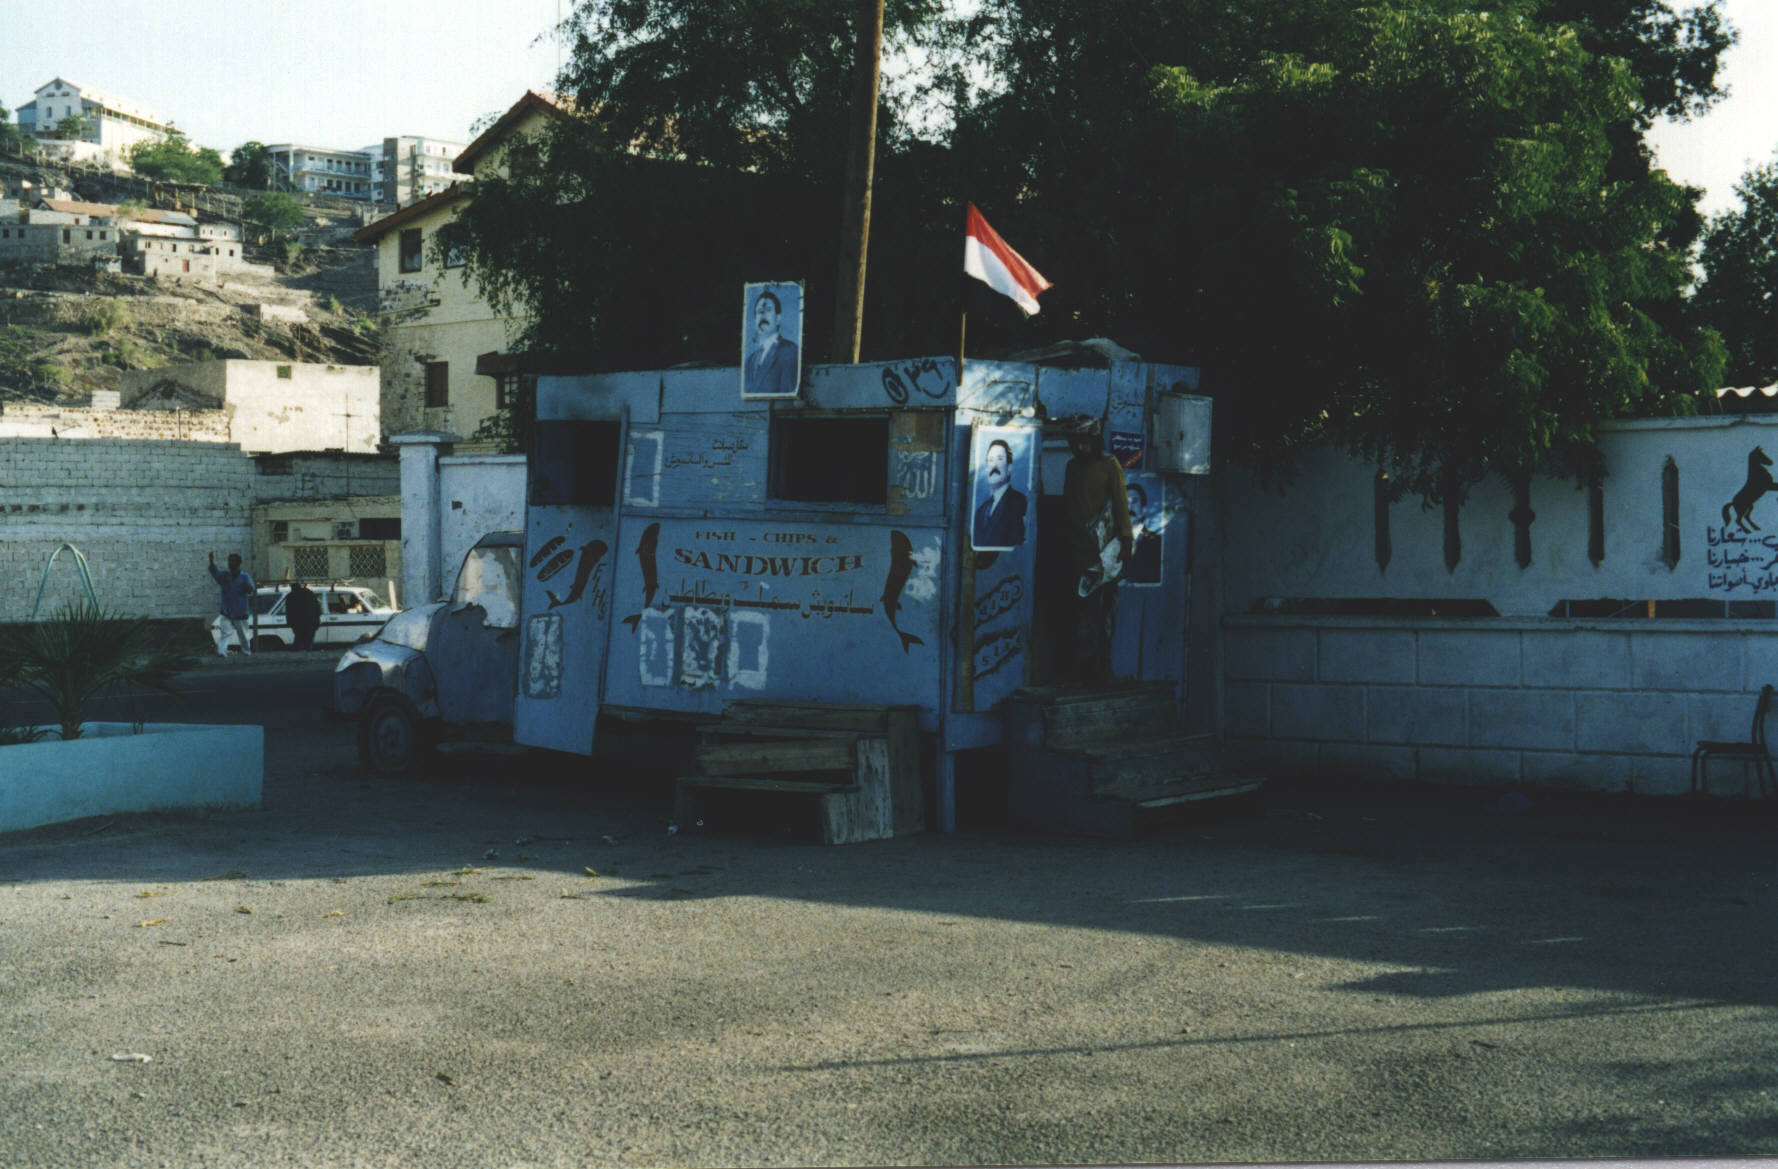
112,768
1597,705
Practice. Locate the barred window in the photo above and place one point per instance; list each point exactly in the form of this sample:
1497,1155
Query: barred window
309,563
367,560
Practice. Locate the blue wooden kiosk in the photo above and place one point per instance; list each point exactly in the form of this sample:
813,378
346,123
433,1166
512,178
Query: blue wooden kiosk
797,575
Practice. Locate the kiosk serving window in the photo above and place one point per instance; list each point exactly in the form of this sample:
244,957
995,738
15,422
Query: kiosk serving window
575,462
830,460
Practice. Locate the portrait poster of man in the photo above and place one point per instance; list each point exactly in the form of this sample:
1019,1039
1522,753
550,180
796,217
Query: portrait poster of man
1148,520
1000,457
772,319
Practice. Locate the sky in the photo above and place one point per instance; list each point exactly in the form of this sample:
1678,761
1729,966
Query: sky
347,73
1741,132
332,73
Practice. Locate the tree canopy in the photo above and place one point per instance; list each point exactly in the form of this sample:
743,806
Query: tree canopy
1739,295
171,159
249,165
1426,229
273,209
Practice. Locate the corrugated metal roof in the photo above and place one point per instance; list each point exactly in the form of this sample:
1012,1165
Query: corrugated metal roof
143,215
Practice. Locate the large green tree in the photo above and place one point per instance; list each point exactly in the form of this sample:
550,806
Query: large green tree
10,137
171,159
1427,229
1739,295
249,165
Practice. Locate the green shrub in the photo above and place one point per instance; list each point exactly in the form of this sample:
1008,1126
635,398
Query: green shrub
51,374
83,652
103,317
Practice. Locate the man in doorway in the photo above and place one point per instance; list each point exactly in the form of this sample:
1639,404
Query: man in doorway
237,602
302,611
772,362
1000,518
1096,514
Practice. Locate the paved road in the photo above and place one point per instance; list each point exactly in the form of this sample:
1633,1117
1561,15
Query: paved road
426,974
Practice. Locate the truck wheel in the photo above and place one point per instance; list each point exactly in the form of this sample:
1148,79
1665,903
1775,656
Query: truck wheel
392,737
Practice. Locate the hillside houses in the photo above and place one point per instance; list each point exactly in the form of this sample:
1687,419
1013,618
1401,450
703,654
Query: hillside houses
137,240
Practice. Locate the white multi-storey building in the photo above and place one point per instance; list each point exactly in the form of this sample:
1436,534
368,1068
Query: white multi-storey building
111,124
325,171
414,167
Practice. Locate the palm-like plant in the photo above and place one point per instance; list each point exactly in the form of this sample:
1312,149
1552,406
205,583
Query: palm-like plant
83,652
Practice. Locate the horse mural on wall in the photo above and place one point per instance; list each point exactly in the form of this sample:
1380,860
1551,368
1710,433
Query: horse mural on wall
1759,481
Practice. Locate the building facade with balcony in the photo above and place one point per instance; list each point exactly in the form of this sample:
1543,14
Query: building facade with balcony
110,123
320,170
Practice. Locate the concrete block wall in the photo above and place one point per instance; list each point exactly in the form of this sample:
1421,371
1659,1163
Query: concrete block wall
1607,706
35,420
144,514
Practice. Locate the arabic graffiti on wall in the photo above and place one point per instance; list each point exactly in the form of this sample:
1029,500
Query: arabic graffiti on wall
999,628
922,378
1741,561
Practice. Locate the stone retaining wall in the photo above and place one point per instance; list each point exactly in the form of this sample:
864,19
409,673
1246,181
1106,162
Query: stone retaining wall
1611,705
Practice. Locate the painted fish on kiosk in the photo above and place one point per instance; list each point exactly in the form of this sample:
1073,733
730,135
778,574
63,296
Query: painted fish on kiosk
901,566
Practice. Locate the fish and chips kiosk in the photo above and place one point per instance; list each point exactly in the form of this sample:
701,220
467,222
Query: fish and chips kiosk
804,578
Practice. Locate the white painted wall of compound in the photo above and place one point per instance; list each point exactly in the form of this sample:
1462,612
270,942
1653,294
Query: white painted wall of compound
1610,704
478,494
1316,538
448,502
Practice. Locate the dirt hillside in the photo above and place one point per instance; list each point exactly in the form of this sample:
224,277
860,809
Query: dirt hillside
67,332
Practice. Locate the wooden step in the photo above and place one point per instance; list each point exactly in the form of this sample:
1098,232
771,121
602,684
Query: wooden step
776,755
1178,791
816,716
729,732
1155,760
743,783
1108,715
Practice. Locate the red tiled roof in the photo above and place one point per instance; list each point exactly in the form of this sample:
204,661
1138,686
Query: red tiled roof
371,233
491,137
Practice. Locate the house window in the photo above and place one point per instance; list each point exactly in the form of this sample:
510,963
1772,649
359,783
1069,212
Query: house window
309,563
830,460
367,560
284,372
345,530
280,531
507,387
438,384
410,249
379,528
67,236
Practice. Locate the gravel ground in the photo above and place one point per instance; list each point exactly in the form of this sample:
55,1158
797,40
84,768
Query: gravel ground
473,971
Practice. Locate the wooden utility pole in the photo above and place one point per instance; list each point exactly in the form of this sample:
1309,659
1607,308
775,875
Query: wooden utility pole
861,156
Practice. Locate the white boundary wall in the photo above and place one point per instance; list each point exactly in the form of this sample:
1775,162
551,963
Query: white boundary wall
1523,698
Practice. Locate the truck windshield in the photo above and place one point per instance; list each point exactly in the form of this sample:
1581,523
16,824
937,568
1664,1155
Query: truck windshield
490,578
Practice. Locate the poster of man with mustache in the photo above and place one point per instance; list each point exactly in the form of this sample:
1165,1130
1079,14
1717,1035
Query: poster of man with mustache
1001,456
771,365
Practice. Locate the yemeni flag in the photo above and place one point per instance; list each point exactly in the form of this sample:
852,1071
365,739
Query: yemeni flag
988,258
